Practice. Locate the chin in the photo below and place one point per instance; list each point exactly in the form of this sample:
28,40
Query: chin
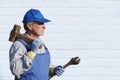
41,34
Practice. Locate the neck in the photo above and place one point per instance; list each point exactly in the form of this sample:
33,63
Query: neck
32,35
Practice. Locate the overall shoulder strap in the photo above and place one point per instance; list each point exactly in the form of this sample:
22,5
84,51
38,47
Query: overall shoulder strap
24,44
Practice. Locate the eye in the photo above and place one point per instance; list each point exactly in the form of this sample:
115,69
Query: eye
39,23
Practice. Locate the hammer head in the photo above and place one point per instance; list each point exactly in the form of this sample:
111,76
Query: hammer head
14,32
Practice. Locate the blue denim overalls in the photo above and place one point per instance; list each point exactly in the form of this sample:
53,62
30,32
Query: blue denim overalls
40,66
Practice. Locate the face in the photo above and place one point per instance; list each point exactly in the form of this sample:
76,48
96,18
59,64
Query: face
37,29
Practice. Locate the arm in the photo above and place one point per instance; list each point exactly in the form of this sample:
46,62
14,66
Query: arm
19,61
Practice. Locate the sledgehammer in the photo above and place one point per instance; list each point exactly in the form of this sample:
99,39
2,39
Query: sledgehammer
15,33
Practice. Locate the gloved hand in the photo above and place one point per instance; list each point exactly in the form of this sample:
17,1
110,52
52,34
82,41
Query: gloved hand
36,44
58,70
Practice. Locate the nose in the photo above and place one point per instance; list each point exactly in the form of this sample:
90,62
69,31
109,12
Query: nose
44,26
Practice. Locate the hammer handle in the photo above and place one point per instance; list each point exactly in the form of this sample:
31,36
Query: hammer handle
25,38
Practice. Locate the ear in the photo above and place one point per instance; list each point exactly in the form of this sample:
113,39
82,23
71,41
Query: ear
29,25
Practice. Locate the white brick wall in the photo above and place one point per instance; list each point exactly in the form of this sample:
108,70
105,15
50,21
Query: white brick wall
89,29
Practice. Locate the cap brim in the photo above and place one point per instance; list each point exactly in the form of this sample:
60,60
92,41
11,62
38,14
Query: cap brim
43,20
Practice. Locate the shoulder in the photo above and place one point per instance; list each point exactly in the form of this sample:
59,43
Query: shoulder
18,45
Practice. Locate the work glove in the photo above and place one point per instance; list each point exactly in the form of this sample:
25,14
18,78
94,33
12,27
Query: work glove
58,70
36,44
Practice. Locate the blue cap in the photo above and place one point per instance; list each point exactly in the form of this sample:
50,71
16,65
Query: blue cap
34,15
